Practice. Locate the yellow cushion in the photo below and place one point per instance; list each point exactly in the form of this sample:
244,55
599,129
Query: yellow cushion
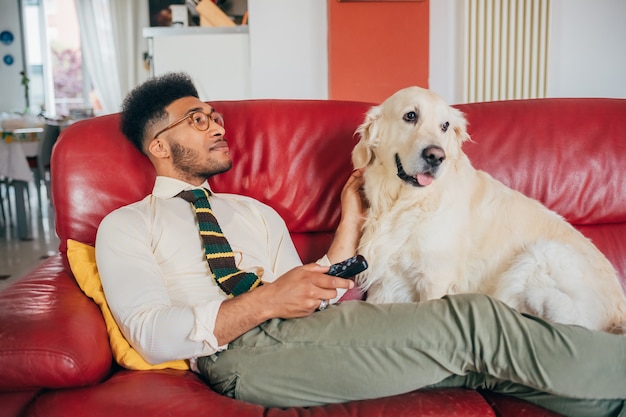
82,260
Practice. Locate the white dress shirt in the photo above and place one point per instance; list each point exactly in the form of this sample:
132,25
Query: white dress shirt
155,275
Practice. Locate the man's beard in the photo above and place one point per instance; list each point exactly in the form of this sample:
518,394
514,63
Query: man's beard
188,162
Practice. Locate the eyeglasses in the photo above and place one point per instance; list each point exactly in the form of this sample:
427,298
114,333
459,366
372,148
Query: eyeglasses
200,120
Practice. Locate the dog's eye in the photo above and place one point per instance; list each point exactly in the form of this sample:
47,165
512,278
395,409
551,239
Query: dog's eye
444,126
410,117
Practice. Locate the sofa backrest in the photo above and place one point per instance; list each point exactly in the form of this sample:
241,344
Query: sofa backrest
291,154
295,156
568,153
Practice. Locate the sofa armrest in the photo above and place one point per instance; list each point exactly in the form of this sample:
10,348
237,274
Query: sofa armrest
51,334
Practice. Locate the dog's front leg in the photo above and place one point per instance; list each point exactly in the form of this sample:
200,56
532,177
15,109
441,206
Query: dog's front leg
433,293
436,284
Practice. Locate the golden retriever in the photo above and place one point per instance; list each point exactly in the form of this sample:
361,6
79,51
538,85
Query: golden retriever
438,226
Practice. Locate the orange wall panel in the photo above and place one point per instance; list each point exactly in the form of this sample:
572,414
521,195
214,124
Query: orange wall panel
376,48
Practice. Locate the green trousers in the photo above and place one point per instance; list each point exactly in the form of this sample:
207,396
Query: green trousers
356,350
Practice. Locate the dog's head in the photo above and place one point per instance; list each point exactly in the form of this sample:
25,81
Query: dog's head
413,135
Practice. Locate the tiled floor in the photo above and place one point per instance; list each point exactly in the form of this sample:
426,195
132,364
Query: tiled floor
18,257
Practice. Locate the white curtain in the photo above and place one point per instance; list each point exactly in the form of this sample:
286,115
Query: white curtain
113,46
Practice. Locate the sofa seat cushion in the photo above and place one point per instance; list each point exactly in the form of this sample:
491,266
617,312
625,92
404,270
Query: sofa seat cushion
182,393
13,403
156,393
44,343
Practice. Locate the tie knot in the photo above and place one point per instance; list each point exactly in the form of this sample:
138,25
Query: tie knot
195,194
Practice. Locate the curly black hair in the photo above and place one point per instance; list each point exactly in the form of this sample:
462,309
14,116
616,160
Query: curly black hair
146,103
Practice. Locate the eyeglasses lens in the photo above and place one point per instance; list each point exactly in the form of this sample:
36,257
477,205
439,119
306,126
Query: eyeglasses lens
201,120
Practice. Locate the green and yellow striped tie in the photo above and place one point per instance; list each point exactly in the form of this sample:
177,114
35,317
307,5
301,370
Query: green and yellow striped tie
218,252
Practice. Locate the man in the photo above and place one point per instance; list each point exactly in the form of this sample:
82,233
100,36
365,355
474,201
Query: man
271,345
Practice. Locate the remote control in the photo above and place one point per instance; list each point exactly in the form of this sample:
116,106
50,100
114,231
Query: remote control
348,268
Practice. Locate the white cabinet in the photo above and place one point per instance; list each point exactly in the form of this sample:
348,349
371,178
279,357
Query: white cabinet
216,58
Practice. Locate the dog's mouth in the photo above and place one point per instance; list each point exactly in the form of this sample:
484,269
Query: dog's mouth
419,180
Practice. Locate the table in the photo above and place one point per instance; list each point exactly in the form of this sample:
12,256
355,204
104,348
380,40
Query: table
15,147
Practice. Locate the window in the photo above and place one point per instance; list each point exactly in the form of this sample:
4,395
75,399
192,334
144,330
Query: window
58,83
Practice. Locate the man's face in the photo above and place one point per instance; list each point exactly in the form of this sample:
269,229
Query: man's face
189,153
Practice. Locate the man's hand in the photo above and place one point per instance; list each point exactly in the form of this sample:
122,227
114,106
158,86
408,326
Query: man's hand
298,293
353,209
353,201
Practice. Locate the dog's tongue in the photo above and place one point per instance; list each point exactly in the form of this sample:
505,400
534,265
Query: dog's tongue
424,179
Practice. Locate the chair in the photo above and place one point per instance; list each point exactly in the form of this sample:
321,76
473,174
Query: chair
4,192
40,164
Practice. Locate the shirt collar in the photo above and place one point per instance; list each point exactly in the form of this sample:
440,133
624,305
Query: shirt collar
166,187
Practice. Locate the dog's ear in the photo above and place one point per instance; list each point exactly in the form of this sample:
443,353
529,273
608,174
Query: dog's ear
362,153
459,125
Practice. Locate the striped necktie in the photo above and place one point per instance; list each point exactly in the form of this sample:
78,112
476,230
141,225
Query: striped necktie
218,252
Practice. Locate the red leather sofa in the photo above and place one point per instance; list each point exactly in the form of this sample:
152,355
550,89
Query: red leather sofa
55,358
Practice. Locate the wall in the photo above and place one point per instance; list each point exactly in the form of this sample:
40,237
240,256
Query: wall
446,58
11,89
339,50
376,48
586,56
288,49
366,51
318,49
587,53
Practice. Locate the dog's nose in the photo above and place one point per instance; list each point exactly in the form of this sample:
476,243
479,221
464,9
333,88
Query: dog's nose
433,155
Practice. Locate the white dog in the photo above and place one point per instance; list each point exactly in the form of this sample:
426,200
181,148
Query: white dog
438,226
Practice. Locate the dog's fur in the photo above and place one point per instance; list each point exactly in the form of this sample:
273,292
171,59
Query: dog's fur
438,226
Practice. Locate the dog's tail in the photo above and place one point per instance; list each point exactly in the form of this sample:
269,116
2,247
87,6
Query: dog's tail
618,325
619,328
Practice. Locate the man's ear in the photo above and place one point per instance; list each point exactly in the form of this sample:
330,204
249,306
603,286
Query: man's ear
157,149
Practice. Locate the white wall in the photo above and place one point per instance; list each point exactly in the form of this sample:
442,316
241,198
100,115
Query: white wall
11,89
445,56
587,52
288,48
587,56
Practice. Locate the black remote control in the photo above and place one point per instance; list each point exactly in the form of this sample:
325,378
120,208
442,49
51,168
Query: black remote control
348,268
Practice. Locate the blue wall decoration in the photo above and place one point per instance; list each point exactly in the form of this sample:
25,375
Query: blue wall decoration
6,37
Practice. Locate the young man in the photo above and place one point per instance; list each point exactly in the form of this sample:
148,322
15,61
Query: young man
271,345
